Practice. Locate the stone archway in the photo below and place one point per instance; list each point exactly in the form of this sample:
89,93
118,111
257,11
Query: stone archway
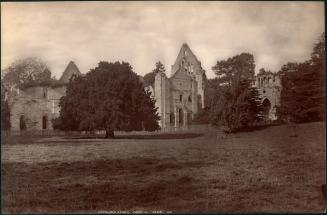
22,123
181,116
44,122
172,118
266,104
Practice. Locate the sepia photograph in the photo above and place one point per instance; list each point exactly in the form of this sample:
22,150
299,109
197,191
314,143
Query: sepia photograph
111,107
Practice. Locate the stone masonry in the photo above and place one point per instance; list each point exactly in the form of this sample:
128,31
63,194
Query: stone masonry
37,105
179,97
269,87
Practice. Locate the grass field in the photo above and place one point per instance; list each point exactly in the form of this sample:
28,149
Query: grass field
277,169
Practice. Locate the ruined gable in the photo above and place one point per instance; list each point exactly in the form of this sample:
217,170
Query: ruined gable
179,97
187,60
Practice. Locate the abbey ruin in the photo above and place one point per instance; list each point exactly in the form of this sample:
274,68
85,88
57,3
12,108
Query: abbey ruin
178,98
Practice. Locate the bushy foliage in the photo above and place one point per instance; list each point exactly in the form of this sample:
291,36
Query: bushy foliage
242,106
25,71
302,95
202,117
149,77
235,68
110,97
235,103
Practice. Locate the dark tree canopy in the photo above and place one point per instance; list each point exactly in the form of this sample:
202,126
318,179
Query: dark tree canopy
110,97
234,103
212,88
149,77
264,71
235,68
302,95
289,67
242,106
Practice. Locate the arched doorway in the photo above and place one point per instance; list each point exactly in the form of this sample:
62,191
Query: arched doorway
22,122
172,118
266,108
44,122
181,116
189,117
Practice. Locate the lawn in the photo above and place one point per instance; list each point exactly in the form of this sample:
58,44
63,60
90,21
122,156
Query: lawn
277,169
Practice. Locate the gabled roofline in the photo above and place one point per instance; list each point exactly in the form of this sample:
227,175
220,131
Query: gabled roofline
180,55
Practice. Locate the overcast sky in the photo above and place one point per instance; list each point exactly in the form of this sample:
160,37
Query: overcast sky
142,33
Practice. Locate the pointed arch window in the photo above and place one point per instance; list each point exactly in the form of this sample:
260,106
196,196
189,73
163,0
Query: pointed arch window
45,92
44,122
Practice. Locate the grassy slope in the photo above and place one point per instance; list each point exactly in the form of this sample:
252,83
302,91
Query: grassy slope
278,169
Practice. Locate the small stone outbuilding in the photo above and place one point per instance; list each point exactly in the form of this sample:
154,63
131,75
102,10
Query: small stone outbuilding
34,106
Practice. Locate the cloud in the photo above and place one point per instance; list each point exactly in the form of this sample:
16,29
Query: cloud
144,32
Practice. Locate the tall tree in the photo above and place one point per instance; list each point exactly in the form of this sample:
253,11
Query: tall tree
242,106
289,67
149,77
302,95
237,104
110,97
25,71
235,68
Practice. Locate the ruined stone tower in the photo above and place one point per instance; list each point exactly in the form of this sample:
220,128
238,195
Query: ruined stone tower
269,87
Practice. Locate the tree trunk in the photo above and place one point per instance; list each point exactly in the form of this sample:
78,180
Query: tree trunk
110,133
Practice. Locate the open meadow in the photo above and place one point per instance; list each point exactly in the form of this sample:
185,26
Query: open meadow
276,169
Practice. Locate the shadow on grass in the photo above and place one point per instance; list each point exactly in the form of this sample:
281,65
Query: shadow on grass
145,137
112,184
252,128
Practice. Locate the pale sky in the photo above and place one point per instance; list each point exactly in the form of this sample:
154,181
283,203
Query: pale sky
142,33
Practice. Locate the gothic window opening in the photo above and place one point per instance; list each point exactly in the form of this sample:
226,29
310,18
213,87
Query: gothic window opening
45,92
22,123
180,116
190,99
180,98
172,118
44,122
266,108
189,117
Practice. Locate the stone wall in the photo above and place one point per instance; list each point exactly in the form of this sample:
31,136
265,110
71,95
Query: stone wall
181,90
269,87
162,97
187,61
33,104
176,98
